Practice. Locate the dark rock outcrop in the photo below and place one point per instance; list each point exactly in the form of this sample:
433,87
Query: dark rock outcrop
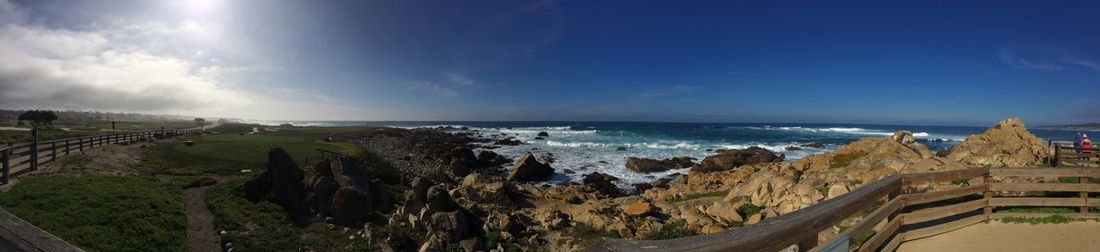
281,183
544,134
491,159
647,165
730,159
602,183
342,192
529,169
510,142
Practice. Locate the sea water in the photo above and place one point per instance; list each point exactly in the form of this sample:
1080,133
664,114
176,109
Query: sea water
587,147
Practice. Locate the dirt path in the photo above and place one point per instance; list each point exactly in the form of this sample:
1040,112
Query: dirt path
1004,237
200,222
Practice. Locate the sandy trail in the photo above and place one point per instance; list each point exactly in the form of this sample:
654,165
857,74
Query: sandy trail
1004,237
200,222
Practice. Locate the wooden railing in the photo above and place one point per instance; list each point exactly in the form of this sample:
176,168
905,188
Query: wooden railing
21,158
902,208
1067,154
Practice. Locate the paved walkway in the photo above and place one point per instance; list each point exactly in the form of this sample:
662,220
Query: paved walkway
1005,237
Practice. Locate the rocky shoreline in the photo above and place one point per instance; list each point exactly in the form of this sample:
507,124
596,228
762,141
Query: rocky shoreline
456,198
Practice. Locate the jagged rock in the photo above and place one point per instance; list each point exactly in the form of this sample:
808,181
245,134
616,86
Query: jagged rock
836,190
647,165
281,183
726,213
544,134
343,192
438,199
711,229
529,169
491,159
603,183
753,219
814,145
472,244
351,204
731,159
638,209
1007,144
449,226
620,148
510,142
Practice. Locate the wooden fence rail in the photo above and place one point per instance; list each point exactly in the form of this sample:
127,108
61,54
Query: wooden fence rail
21,158
913,206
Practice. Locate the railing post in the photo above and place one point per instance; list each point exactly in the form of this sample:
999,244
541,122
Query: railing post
7,164
1084,195
988,196
34,148
1057,155
67,147
53,151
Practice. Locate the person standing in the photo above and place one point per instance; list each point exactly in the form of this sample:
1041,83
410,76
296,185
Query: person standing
1077,144
1086,147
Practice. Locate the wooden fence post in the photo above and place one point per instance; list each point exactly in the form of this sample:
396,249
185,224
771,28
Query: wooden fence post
53,151
1084,195
66,147
34,148
988,195
7,164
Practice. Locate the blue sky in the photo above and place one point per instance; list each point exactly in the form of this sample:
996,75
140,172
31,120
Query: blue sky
894,62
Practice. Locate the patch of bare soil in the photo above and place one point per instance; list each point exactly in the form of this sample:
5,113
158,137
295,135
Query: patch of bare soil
200,222
110,159
1003,237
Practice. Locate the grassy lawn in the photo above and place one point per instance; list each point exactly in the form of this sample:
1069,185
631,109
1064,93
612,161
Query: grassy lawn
264,226
230,153
103,213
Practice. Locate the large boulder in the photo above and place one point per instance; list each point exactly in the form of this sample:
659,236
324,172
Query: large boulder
530,169
1007,144
731,159
281,183
603,183
341,190
647,165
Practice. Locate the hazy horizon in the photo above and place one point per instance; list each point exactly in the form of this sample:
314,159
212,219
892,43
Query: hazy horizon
893,63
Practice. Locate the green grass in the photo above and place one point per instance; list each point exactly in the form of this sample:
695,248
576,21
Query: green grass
264,226
701,195
843,160
229,153
15,136
103,213
748,209
1054,210
671,230
1052,219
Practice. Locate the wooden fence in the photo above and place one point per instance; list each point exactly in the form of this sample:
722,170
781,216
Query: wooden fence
1067,154
21,158
902,207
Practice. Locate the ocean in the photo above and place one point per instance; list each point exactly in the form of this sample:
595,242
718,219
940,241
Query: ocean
586,147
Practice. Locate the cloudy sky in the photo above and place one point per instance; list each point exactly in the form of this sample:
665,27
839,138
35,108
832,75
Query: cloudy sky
925,62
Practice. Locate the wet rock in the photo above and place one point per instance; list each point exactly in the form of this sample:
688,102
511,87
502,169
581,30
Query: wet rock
814,145
544,134
602,183
731,159
508,142
530,169
647,165
620,148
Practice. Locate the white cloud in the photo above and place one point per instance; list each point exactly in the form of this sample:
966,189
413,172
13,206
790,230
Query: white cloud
1009,57
435,89
459,78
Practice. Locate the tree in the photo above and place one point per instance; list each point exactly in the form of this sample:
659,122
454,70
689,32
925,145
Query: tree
38,118
200,121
